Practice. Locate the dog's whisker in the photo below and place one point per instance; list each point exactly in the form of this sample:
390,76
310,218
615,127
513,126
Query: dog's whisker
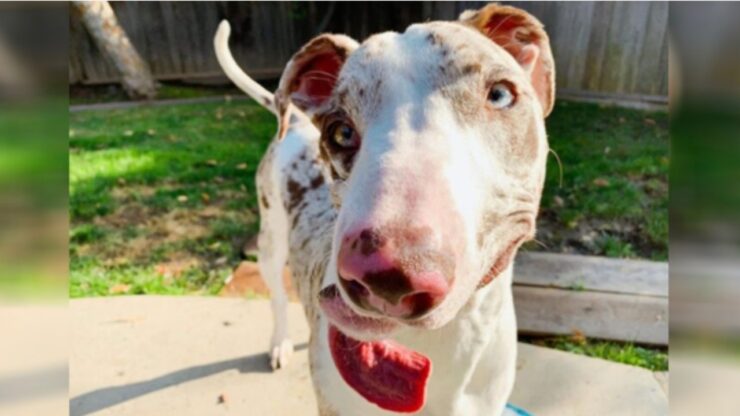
560,165
541,244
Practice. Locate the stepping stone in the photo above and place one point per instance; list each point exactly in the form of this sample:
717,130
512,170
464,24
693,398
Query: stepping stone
206,355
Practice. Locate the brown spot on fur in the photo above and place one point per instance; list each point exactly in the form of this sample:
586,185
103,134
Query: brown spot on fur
296,193
317,181
264,202
433,38
342,97
471,68
296,217
325,157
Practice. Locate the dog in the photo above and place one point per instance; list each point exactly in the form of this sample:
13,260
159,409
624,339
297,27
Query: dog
405,173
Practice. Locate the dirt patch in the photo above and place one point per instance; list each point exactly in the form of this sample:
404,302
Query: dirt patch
593,237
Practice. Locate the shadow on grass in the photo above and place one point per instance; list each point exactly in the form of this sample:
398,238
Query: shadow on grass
100,399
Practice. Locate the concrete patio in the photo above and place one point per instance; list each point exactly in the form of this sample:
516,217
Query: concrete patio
152,355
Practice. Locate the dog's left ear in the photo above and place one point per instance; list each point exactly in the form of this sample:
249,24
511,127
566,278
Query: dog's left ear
309,77
524,37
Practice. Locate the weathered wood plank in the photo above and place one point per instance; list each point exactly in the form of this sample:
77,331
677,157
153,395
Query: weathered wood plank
607,47
593,274
639,319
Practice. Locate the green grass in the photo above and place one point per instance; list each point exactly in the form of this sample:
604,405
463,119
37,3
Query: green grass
625,353
162,199
161,202
614,195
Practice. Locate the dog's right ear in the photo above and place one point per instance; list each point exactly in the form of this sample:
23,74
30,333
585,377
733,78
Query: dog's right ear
309,77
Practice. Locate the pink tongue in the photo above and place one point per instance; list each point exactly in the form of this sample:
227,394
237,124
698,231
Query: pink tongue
383,372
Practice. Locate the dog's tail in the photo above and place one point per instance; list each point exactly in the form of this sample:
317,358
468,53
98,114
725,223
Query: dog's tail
235,73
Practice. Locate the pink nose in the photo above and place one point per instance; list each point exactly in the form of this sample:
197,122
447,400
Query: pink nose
391,275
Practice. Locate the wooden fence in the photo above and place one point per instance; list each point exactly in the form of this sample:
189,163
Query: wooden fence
617,49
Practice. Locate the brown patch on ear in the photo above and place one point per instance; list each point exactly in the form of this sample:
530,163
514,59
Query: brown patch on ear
514,29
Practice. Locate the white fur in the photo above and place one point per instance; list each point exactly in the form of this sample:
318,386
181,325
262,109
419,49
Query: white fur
413,142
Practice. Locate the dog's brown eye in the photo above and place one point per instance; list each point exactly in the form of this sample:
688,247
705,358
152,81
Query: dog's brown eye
344,135
501,95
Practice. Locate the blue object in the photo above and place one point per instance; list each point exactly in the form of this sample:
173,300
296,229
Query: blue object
512,410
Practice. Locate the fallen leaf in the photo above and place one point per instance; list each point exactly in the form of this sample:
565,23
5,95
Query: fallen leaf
578,337
128,133
182,198
601,182
649,121
121,181
221,261
558,201
151,132
119,288
241,166
172,269
211,162
205,197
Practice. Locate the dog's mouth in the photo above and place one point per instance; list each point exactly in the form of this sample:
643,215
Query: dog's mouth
382,371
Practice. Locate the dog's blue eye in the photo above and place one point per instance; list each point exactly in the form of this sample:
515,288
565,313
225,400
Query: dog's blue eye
501,95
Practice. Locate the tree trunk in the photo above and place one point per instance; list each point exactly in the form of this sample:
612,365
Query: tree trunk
101,23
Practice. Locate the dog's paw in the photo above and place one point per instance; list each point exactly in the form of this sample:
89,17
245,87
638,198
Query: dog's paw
280,354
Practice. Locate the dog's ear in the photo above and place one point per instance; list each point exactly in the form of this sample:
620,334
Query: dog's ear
524,37
309,77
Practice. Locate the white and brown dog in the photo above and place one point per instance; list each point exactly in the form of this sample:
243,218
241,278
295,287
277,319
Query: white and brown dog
406,172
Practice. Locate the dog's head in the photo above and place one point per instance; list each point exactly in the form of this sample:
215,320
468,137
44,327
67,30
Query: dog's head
436,144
